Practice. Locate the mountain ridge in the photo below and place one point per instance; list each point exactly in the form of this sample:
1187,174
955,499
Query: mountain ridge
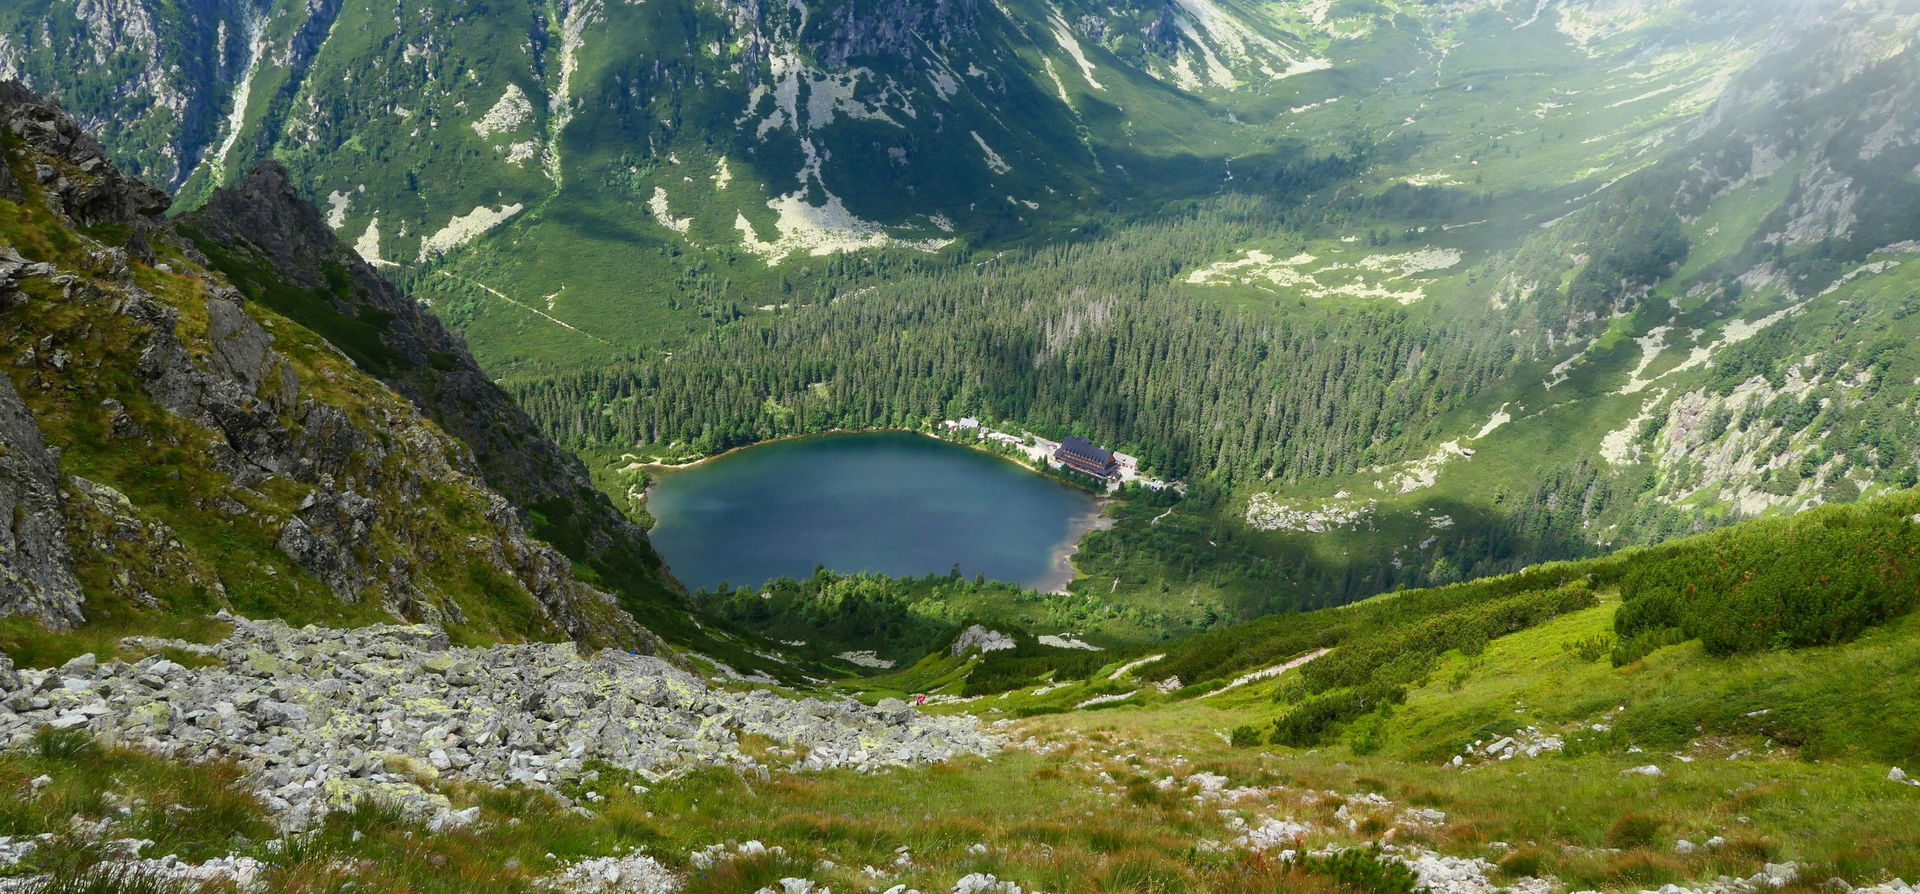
306,463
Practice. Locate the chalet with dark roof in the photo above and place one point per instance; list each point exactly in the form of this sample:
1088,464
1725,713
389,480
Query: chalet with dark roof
1080,455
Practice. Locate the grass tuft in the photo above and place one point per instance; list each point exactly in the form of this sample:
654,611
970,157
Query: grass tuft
1633,830
62,744
105,879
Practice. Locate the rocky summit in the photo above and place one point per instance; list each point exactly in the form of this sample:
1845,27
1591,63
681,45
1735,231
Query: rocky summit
321,718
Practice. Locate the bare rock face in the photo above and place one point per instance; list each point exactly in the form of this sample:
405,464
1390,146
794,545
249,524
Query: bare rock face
327,538
85,186
263,214
36,568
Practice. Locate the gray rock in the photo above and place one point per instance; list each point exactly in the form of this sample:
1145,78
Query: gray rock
14,269
894,710
85,187
979,639
36,567
308,712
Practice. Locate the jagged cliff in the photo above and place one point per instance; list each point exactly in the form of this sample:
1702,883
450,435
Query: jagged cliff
262,223
172,444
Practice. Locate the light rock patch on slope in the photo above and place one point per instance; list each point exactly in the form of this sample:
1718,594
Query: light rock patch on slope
319,718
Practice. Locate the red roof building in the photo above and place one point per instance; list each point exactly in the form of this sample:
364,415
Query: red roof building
1080,455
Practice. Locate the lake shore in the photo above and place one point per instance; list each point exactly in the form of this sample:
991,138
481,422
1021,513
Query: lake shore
1064,573
637,466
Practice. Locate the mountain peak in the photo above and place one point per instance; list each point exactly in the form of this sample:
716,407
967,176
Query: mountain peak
266,210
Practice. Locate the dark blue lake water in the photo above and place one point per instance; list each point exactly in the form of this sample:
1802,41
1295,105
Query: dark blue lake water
890,502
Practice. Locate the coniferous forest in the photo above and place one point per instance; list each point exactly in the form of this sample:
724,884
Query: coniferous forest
1088,338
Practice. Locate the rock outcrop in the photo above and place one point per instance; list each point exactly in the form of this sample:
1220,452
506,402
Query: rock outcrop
88,190
275,443
980,639
36,568
320,718
263,218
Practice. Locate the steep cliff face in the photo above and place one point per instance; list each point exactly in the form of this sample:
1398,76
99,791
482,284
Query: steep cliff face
36,569
261,223
161,77
174,445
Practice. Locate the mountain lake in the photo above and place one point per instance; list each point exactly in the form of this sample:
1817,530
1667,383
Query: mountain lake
895,503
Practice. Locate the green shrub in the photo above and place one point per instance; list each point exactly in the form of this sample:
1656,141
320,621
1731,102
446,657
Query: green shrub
1309,723
1245,737
1593,648
1364,870
1027,662
1645,643
1819,578
1290,691
1192,690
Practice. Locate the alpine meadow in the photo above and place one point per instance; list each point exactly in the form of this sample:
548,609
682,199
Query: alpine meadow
960,447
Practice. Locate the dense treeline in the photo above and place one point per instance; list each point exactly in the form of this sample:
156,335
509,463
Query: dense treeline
1028,660
899,619
1091,338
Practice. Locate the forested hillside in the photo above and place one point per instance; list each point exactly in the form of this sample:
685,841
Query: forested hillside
1089,338
1389,384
